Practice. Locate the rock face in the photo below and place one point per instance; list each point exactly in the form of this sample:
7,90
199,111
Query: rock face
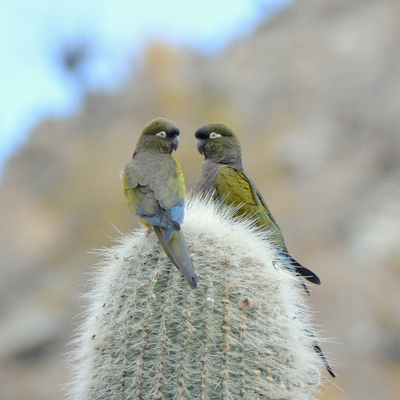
313,95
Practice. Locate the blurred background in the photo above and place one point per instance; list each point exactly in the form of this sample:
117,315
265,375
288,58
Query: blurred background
312,88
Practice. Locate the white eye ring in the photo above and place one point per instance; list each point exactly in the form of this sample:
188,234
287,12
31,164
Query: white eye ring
214,135
161,134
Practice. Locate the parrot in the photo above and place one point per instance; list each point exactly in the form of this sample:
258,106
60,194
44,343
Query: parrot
223,178
154,189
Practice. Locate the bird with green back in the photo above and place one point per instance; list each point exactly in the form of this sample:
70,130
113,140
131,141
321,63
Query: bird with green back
154,189
223,177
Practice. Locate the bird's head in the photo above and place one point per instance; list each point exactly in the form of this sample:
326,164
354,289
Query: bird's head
160,136
218,142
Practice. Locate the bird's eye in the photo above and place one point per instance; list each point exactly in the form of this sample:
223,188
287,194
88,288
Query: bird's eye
161,134
214,135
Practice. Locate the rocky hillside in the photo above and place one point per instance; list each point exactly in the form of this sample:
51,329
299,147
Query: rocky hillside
313,95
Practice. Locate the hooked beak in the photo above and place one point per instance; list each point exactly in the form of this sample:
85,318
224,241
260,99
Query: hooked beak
201,143
175,142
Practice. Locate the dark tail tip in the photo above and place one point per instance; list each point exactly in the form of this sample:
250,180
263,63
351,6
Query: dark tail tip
323,358
313,279
303,271
193,282
331,373
307,274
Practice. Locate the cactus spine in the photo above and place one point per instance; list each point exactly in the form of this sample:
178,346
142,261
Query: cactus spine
242,334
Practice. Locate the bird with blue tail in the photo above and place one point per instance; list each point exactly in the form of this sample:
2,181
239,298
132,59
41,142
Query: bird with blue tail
154,189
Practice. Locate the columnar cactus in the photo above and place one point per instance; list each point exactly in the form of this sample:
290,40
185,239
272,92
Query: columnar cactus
242,334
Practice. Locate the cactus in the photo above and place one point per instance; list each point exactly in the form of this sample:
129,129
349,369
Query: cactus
242,334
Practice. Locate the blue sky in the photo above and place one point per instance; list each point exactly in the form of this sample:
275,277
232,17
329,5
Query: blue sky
33,84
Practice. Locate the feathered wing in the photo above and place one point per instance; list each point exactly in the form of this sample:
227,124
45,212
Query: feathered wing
303,271
240,191
135,186
156,193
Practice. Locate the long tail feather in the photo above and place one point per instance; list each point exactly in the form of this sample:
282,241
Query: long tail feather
318,350
177,252
296,268
305,272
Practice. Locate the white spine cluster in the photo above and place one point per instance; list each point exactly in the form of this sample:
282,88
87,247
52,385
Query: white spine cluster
242,334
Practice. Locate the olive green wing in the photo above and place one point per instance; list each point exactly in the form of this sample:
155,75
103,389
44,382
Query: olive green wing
136,188
300,269
269,220
238,191
147,188
154,189
168,183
